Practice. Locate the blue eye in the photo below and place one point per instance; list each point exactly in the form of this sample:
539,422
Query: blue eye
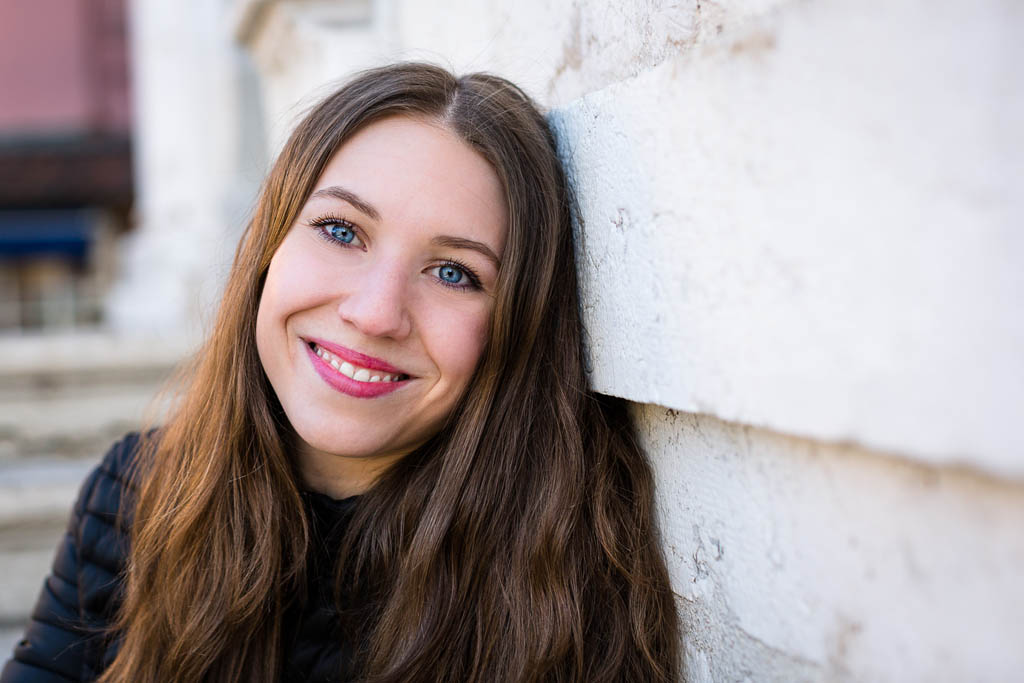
337,230
450,274
341,232
457,276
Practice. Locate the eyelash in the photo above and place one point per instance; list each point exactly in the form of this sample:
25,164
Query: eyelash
474,280
323,222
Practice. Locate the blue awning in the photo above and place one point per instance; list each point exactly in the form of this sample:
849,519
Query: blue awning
45,232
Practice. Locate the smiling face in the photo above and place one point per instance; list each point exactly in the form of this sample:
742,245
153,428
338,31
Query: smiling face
376,305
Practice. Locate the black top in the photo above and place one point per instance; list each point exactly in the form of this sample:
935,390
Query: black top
313,647
65,639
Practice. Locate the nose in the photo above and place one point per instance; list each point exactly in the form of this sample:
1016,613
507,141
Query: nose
376,301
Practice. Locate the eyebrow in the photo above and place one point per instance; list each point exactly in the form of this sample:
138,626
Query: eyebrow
463,243
338,192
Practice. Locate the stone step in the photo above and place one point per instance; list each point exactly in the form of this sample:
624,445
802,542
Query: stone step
25,570
36,496
39,490
74,422
64,399
9,636
91,355
73,394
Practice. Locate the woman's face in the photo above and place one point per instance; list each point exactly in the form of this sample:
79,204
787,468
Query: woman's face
376,306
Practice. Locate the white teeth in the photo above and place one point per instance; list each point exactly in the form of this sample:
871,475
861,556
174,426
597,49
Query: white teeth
349,370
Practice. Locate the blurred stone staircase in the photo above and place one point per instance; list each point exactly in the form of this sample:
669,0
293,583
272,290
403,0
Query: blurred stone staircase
64,399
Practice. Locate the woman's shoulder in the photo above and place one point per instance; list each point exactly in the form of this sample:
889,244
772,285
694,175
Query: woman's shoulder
98,530
121,457
106,486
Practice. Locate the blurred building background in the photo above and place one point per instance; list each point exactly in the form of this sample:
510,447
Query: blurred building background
65,159
801,257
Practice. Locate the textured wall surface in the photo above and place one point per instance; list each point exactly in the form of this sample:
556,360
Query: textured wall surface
800,225
797,560
303,47
815,226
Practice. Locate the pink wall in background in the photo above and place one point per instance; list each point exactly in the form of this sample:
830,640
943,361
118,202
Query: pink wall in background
63,67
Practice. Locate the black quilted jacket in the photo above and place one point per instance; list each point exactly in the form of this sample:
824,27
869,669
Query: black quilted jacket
66,639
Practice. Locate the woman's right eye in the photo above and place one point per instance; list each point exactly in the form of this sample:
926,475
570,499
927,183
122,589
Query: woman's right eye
338,230
342,233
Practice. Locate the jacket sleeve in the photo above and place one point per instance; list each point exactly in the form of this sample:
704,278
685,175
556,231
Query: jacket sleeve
51,649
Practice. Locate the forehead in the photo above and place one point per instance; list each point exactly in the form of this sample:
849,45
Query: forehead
417,172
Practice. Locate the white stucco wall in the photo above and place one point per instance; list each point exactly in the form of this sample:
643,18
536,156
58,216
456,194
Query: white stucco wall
813,225
199,156
800,260
303,47
797,560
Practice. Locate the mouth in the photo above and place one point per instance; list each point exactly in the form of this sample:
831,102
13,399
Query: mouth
357,367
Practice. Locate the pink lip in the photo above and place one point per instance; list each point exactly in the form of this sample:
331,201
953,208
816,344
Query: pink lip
356,358
347,385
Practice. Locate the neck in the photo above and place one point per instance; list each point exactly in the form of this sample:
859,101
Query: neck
341,476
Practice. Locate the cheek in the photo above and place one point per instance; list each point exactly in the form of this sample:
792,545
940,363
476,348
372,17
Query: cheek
268,314
459,343
267,335
291,285
263,326
284,288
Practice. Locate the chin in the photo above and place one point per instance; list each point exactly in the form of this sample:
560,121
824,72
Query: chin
335,442
332,436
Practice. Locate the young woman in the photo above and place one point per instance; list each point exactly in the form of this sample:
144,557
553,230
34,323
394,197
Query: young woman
386,465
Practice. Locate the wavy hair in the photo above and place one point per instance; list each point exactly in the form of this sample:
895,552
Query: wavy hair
518,544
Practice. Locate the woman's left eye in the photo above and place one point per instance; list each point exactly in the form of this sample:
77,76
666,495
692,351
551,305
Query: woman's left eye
449,274
456,276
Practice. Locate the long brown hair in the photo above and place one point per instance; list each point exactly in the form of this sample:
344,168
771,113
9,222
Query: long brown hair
518,544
